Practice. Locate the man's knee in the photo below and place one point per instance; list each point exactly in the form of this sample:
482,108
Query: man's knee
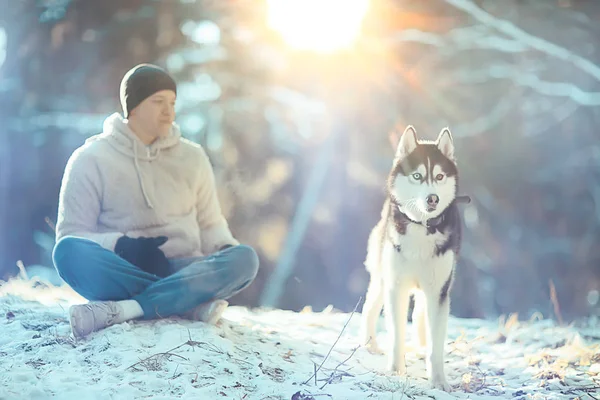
82,264
246,262
68,253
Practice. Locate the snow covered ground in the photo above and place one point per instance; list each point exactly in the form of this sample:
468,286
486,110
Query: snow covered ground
272,354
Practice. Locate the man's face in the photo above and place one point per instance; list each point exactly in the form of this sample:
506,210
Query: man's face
155,114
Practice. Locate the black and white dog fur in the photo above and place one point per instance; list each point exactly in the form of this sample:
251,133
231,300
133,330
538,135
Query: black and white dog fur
413,250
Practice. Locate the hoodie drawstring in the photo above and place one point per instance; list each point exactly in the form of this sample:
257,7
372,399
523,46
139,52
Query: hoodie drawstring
118,133
139,174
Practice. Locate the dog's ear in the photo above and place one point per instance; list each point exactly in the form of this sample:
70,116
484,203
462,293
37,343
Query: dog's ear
407,142
445,143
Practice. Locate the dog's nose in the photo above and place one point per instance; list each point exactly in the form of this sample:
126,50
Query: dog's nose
432,200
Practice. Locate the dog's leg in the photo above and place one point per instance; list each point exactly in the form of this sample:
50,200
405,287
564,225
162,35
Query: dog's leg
396,315
437,314
370,314
419,321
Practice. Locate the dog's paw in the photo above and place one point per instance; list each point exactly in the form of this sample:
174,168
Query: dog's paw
440,383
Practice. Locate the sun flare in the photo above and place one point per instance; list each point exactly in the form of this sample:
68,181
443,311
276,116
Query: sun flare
318,25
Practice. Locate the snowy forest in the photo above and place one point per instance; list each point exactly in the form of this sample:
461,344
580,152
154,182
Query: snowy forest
299,105
300,138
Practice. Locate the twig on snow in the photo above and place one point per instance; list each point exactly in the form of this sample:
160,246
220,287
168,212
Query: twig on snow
170,353
334,343
555,303
330,379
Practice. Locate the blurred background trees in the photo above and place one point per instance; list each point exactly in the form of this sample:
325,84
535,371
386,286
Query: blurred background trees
299,139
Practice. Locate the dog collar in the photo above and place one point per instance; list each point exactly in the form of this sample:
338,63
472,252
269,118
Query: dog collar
429,223
433,222
400,219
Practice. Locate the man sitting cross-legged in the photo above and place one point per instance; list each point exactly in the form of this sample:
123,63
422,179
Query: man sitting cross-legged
140,231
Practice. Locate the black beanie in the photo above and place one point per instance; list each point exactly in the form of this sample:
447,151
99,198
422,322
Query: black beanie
143,81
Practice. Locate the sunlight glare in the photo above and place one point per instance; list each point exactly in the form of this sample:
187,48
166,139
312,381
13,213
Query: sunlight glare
319,25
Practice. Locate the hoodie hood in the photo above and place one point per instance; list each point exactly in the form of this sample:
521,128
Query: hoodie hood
122,138
118,134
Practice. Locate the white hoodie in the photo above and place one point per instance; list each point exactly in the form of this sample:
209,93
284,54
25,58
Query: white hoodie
115,185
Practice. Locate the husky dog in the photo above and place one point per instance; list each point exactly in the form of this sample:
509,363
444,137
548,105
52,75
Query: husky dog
413,250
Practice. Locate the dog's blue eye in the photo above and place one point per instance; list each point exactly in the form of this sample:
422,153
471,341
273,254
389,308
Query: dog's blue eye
417,176
439,177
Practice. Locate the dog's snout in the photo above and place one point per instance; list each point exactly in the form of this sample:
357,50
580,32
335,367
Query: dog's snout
432,200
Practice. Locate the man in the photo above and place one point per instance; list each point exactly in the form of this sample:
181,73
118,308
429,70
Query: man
140,232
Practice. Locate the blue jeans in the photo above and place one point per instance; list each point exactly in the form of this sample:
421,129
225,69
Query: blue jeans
98,274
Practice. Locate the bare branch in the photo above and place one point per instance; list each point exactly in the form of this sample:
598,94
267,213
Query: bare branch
544,46
334,343
475,37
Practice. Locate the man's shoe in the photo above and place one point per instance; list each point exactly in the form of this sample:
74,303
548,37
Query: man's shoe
91,317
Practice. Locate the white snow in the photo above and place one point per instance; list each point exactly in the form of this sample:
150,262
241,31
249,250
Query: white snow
270,354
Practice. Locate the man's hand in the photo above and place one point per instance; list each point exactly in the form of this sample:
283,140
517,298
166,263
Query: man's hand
144,253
